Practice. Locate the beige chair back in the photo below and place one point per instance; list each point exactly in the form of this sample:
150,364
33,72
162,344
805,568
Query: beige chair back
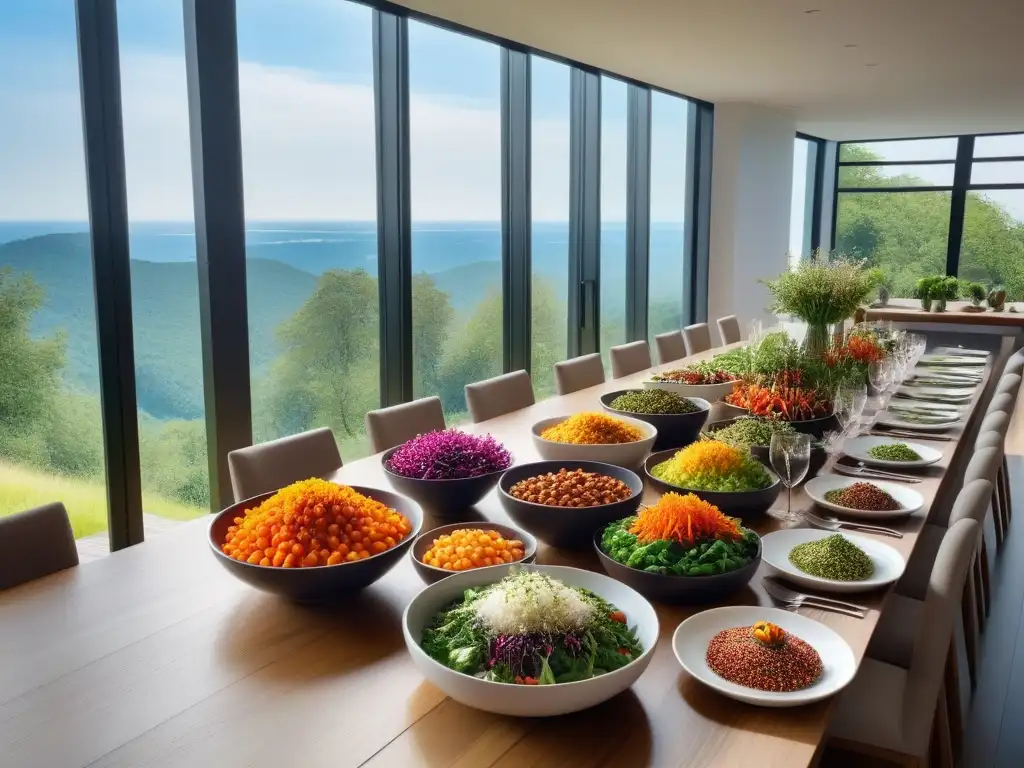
729,329
630,358
1009,384
388,427
579,373
495,397
972,502
996,421
273,465
941,607
35,543
1002,402
1015,364
698,338
670,346
984,465
990,439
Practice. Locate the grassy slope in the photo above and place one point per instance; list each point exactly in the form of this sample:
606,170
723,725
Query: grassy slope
86,500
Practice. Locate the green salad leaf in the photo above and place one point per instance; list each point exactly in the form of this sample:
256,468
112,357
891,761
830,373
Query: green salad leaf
670,558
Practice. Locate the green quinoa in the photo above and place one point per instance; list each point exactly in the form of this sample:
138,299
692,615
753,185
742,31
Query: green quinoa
834,557
751,430
894,452
653,402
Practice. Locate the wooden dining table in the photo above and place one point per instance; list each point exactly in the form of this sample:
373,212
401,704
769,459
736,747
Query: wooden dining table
157,656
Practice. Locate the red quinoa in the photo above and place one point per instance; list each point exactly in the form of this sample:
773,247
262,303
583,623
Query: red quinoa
737,656
863,496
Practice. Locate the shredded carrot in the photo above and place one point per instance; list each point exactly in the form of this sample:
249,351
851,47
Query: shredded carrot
592,428
686,519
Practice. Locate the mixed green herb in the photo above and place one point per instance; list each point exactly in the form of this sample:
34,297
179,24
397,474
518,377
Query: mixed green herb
673,558
653,402
753,430
894,452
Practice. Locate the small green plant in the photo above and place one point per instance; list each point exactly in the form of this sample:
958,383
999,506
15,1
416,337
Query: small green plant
944,288
923,287
975,292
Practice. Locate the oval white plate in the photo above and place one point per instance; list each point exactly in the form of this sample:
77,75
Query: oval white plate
951,395
691,638
953,361
858,447
909,499
776,546
888,419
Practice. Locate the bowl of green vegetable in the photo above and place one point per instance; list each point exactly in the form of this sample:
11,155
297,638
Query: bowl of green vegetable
755,433
725,475
680,550
678,419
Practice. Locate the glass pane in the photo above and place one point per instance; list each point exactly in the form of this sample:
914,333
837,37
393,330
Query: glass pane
550,214
51,441
667,308
896,175
801,202
613,214
992,249
455,123
1009,145
904,233
165,293
905,150
310,209
997,173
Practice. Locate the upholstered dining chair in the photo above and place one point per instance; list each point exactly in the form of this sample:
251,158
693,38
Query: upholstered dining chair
893,710
495,397
670,346
579,373
1009,384
277,463
985,464
1015,363
729,329
999,423
35,543
388,427
1002,401
630,358
698,338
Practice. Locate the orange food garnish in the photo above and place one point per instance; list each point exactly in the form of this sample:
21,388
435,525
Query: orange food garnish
767,633
686,519
468,548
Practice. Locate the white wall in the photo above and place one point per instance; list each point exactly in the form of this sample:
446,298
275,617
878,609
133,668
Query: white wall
751,187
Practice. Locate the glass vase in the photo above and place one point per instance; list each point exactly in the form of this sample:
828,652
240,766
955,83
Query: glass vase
939,305
816,342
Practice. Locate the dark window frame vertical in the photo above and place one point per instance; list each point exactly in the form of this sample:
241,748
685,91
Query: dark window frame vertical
638,210
697,229
958,202
103,139
211,60
584,212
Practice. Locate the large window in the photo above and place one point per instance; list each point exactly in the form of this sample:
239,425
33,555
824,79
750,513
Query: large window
805,156
51,439
310,209
549,198
666,303
455,127
613,214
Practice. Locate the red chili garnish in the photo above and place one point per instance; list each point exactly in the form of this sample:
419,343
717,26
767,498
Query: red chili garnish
618,616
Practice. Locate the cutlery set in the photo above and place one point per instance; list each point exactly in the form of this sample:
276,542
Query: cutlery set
791,599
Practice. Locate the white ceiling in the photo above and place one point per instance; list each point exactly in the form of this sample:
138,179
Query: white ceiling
854,69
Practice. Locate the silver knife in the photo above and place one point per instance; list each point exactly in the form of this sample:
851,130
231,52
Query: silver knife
874,475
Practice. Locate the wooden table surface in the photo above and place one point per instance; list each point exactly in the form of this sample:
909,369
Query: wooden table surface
156,656
909,311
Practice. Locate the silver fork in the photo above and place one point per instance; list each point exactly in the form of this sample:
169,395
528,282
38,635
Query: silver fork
877,474
792,599
833,524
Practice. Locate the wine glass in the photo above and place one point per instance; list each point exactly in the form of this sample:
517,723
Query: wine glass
790,456
851,399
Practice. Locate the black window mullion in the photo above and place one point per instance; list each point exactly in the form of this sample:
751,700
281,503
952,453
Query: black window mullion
211,60
697,231
515,208
394,217
100,85
584,211
958,202
638,209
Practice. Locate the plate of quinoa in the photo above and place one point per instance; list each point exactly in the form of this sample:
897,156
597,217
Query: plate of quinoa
764,656
890,452
831,562
851,497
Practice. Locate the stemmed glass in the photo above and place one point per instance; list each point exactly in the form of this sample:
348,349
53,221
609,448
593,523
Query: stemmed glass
790,457
850,402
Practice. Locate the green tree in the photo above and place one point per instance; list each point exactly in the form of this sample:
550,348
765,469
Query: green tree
174,460
472,352
548,335
431,315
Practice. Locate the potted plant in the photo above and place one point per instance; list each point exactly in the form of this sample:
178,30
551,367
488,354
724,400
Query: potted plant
823,291
997,298
923,291
942,290
976,293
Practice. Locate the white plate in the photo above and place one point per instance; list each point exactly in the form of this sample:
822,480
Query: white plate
961,351
691,638
946,377
858,447
909,499
948,395
776,546
888,419
953,361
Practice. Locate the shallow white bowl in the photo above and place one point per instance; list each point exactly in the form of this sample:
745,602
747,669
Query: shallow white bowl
858,447
709,392
909,499
776,546
530,700
691,638
889,419
628,455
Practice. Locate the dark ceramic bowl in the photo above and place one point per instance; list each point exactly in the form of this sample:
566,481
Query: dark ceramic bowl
761,452
689,590
442,498
745,505
674,429
325,582
430,573
816,428
567,527
721,410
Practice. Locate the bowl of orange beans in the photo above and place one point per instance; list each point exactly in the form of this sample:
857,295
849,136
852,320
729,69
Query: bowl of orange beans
461,547
315,540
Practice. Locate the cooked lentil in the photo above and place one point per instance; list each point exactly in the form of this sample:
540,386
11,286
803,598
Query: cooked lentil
864,496
571,488
894,452
590,428
834,557
653,402
786,665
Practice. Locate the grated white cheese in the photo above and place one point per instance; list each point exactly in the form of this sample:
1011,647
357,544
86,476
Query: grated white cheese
528,602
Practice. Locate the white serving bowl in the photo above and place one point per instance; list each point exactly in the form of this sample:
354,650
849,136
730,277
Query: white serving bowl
776,546
909,500
858,447
628,455
530,700
691,638
709,392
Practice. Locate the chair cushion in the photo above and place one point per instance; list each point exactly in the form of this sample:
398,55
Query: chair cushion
897,629
870,710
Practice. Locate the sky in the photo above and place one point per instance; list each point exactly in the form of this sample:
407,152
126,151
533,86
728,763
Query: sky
306,97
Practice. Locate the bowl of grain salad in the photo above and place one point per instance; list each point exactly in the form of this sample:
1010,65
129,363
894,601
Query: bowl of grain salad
678,419
562,503
594,436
